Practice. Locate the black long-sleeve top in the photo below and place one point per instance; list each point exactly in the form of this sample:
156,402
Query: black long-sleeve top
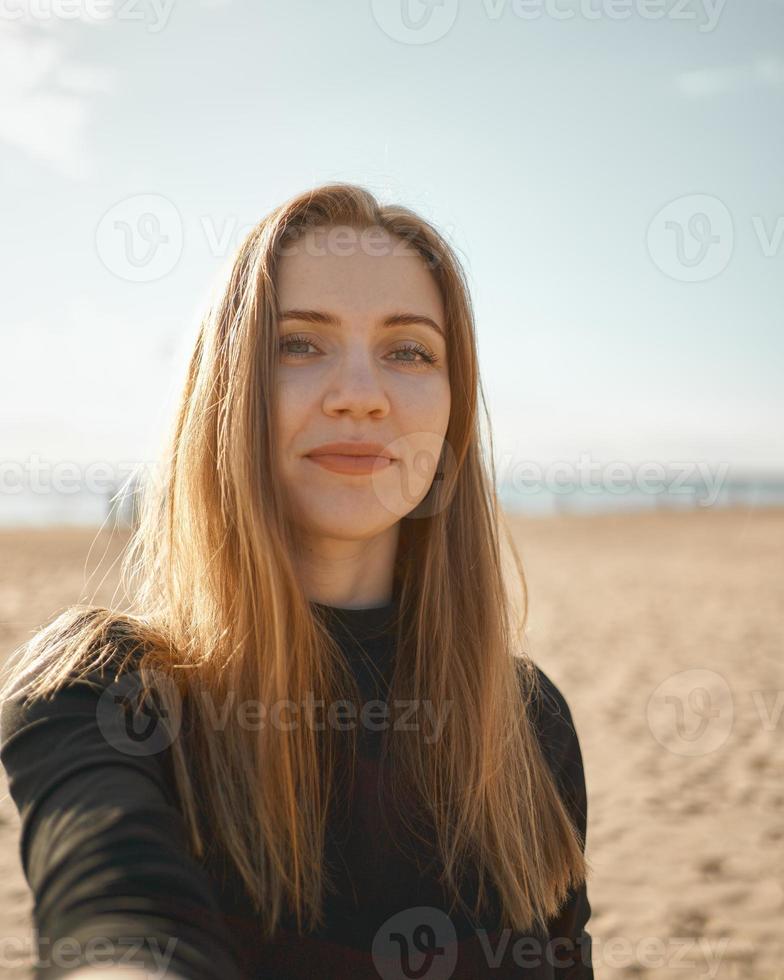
103,850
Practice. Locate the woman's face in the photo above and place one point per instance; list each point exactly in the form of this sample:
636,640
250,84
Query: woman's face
348,372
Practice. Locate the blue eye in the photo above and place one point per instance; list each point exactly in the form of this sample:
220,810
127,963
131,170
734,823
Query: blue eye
423,352
425,356
295,340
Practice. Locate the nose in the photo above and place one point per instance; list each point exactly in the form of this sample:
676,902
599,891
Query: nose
356,386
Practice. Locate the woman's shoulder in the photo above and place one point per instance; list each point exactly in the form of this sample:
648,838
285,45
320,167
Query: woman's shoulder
90,737
95,695
552,718
554,725
551,703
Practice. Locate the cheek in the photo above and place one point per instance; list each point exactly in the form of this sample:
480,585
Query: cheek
424,406
423,418
295,401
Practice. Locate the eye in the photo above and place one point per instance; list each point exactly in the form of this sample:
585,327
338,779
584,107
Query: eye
423,352
425,356
295,339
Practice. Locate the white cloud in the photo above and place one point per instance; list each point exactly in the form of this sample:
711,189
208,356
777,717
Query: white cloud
770,70
46,97
708,82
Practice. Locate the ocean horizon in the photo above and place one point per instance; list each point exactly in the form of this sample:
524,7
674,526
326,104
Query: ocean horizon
82,507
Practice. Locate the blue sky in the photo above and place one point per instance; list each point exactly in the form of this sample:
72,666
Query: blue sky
611,181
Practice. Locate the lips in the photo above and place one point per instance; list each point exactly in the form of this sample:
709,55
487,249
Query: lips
349,448
351,465
352,458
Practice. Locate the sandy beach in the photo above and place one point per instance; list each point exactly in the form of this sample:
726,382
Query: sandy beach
664,632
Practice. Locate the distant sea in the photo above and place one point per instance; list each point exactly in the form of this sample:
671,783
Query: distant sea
82,508
25,508
751,491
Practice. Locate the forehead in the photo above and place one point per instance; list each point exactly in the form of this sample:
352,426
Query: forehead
355,269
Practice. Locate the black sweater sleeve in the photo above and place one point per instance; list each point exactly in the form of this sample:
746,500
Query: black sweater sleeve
103,844
568,935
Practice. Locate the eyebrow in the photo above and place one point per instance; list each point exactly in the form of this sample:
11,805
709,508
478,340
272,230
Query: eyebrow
393,320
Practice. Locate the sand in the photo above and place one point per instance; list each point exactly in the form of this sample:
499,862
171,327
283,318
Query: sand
685,771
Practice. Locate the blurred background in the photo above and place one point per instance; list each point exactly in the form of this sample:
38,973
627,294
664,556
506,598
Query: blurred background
609,172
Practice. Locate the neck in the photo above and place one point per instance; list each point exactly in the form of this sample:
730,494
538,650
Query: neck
349,574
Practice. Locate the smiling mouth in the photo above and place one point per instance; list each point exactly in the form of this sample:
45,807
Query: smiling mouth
352,465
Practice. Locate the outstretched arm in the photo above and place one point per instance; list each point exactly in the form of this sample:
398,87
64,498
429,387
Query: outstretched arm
103,849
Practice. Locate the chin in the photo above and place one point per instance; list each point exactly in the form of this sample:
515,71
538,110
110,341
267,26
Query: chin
346,520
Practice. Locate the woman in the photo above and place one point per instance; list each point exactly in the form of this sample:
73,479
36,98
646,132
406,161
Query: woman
326,535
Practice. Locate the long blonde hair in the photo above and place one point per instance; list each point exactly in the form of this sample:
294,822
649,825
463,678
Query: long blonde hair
218,608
